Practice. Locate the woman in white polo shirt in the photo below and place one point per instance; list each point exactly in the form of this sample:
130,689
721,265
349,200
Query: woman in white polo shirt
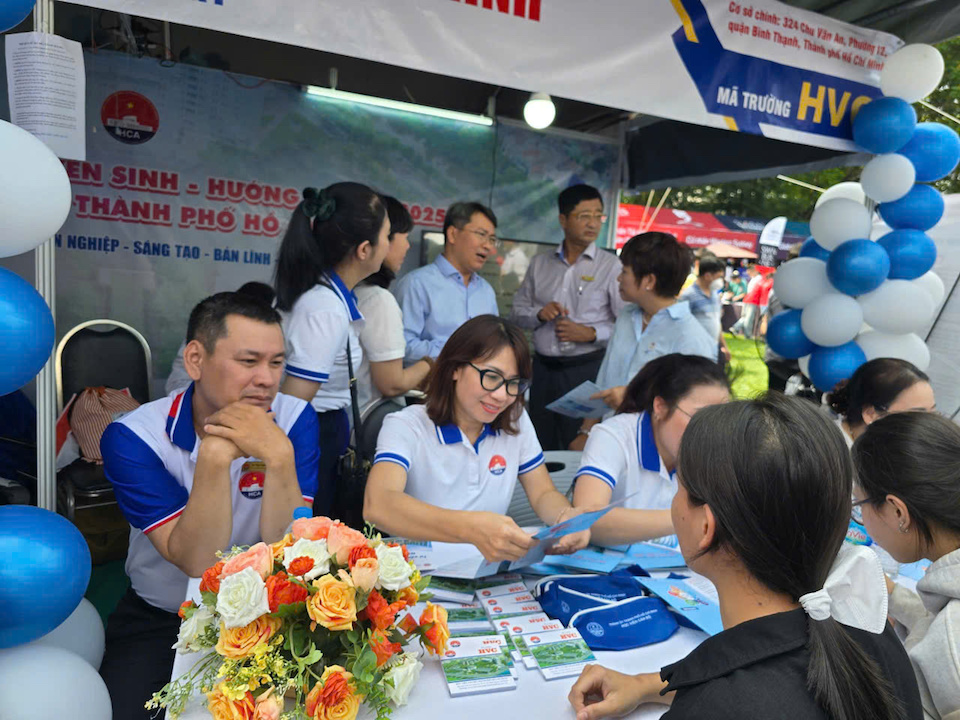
633,455
446,471
336,238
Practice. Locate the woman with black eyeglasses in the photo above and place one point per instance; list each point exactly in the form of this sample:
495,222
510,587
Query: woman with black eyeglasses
446,471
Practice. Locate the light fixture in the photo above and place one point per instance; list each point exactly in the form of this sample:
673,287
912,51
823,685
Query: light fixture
539,111
317,91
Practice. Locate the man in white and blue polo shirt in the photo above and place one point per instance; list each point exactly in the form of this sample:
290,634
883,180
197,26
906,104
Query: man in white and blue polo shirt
223,463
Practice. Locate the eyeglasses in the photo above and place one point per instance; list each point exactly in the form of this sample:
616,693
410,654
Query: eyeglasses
485,237
856,511
689,415
491,380
586,217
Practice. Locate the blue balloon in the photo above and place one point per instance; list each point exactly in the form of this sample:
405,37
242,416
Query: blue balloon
858,266
14,12
44,573
785,336
919,209
884,125
26,331
830,365
912,253
811,248
934,151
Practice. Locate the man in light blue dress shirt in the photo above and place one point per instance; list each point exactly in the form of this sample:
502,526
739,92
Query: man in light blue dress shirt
440,297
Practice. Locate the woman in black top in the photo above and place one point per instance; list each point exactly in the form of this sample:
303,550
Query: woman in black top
762,509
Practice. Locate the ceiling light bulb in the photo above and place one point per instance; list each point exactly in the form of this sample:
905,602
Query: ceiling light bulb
539,112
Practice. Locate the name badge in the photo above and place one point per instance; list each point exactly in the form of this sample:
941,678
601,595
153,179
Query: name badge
252,476
587,278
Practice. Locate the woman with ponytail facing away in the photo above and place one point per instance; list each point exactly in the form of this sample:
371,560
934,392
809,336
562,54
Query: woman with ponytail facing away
761,510
337,237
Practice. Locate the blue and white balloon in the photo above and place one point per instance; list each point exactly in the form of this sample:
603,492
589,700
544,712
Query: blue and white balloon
907,347
801,281
785,335
27,332
830,365
934,151
919,209
839,220
831,320
912,72
14,12
858,266
847,190
933,285
888,177
912,253
811,249
884,125
897,307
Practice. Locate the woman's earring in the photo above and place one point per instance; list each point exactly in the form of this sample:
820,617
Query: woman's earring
902,528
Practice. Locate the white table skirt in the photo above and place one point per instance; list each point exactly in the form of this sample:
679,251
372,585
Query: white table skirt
533,698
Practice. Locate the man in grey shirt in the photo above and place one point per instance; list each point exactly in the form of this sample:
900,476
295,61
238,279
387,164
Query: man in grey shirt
570,299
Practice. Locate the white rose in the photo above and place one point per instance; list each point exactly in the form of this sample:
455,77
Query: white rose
242,598
316,550
395,572
404,676
192,629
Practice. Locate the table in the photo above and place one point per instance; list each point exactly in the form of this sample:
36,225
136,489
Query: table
534,696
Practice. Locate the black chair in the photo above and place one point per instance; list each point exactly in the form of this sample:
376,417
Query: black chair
370,425
115,356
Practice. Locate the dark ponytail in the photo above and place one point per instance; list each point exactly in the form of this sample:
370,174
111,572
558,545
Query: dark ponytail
783,510
875,384
324,229
670,378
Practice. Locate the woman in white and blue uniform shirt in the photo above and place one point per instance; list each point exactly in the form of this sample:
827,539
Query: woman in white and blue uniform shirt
633,455
336,238
446,471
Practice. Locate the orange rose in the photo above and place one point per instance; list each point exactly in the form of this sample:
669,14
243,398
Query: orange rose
382,647
334,605
223,708
185,605
314,528
259,557
438,633
280,591
341,540
334,697
365,572
269,706
278,547
240,642
380,614
408,596
359,552
211,578
408,624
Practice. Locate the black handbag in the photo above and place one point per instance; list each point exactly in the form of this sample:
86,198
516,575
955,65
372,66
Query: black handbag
352,468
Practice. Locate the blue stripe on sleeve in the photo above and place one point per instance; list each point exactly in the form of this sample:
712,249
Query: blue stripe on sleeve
531,464
596,472
392,457
319,377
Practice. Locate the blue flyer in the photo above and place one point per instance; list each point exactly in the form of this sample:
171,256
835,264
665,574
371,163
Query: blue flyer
693,598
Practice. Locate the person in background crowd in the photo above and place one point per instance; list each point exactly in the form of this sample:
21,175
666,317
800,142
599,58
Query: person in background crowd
737,287
439,298
381,373
654,323
763,300
879,387
907,495
224,462
336,238
446,471
570,299
705,303
764,521
748,316
633,455
694,273
179,377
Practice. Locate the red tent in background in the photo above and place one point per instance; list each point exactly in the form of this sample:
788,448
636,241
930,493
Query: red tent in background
696,229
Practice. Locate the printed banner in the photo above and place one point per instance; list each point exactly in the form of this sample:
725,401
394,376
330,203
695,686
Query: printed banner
192,174
761,67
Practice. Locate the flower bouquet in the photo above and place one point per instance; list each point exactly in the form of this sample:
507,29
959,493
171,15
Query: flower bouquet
312,618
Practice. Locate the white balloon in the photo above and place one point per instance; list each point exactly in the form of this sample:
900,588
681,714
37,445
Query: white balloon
35,196
897,307
839,220
912,72
907,347
848,190
888,177
804,364
46,682
801,281
81,633
932,283
831,320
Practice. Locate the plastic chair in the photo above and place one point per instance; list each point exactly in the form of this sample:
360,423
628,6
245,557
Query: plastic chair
562,466
370,424
117,357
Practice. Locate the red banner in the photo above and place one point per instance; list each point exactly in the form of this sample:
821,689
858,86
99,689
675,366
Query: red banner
696,229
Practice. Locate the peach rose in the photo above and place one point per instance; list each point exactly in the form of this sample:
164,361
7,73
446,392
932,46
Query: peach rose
223,708
314,528
408,595
278,547
341,540
334,605
438,633
269,706
334,697
259,557
240,642
365,572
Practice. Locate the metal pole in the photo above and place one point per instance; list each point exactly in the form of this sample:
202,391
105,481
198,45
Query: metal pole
46,389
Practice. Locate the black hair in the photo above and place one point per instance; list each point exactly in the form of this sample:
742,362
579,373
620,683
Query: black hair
783,509
259,291
208,320
875,384
916,457
324,229
460,213
400,222
711,264
576,194
670,378
661,255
